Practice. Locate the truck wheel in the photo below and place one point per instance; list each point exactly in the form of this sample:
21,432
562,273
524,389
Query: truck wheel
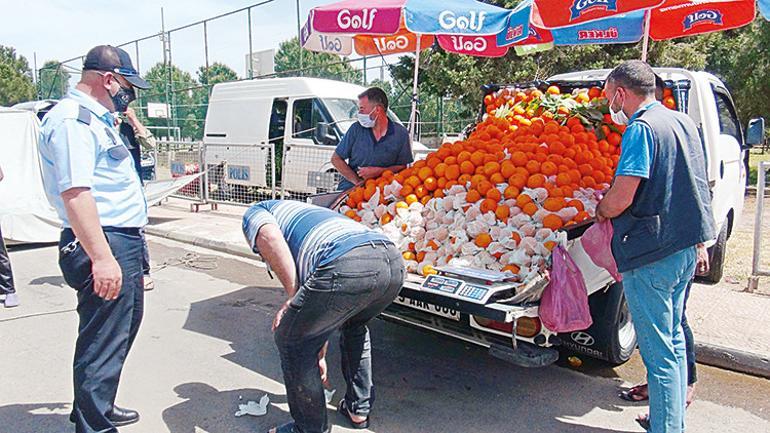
717,254
612,337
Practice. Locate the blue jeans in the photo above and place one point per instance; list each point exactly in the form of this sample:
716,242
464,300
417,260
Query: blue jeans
344,294
6,274
655,294
107,329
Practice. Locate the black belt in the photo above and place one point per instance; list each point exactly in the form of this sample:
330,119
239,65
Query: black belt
124,230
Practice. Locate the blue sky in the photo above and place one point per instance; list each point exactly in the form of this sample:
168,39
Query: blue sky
63,29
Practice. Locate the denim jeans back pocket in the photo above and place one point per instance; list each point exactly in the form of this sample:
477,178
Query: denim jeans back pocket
75,265
352,289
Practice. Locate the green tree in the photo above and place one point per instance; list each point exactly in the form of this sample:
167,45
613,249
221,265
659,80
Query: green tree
53,80
184,98
320,65
15,78
216,73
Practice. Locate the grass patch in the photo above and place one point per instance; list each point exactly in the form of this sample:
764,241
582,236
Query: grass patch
754,159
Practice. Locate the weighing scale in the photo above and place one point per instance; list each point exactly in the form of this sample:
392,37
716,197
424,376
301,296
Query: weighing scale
477,286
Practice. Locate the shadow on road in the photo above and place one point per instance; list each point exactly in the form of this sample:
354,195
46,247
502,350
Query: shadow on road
425,382
37,418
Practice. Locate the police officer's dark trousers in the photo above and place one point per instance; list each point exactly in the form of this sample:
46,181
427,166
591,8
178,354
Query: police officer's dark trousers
107,328
6,274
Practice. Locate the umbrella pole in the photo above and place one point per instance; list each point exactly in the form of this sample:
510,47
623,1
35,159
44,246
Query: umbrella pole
646,40
413,114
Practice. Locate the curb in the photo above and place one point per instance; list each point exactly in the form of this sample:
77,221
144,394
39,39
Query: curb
222,247
708,354
733,359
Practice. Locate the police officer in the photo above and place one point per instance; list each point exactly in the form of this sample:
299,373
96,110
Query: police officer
90,179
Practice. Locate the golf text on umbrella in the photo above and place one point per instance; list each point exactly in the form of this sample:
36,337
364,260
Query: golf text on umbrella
474,21
702,17
579,7
346,20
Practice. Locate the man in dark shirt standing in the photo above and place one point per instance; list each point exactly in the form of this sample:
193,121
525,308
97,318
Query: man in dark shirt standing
373,144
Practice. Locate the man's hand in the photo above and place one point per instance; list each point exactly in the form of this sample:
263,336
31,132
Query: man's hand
280,314
108,278
369,172
324,371
131,118
702,260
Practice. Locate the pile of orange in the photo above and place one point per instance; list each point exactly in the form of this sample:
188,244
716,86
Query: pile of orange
521,145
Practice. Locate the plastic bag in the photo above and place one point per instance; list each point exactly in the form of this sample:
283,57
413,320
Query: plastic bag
564,304
597,243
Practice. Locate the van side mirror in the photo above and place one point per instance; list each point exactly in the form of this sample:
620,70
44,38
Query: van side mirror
755,133
323,134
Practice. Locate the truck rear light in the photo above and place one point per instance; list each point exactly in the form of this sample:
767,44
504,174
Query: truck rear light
526,327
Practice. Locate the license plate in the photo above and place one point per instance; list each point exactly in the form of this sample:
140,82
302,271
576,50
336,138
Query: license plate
428,308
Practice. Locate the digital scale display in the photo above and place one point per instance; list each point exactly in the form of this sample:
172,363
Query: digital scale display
458,288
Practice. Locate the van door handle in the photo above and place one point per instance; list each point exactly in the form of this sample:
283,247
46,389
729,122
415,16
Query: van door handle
722,169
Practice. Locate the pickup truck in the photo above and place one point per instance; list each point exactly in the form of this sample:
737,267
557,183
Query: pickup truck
475,307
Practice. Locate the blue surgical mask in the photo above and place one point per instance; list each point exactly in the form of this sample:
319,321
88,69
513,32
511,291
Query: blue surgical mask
366,119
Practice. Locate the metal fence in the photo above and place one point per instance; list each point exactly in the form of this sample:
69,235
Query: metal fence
240,173
176,159
756,268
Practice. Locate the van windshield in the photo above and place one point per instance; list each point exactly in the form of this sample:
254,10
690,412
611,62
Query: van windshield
344,112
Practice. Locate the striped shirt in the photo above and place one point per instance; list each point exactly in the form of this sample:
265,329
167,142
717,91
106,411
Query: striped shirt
315,235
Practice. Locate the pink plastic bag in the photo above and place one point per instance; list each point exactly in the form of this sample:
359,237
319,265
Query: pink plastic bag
564,305
597,243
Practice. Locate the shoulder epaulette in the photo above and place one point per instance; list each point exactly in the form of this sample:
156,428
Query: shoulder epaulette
84,115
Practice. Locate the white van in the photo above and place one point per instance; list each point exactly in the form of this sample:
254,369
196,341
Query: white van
247,113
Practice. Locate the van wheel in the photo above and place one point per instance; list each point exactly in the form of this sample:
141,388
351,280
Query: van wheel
717,254
611,337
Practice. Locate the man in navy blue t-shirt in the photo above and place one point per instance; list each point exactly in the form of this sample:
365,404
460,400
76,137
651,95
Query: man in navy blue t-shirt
373,144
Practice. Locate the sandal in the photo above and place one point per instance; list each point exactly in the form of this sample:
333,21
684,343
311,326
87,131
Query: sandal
644,421
636,393
343,410
285,428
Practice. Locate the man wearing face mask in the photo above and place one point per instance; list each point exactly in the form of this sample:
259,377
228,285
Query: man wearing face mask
90,179
373,144
660,208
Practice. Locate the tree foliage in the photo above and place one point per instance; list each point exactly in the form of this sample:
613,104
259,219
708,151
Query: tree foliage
320,65
15,78
216,73
53,80
185,98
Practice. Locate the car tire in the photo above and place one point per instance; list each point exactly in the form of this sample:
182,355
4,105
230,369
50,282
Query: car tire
611,338
717,254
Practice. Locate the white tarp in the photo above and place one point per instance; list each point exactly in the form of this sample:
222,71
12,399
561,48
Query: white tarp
26,216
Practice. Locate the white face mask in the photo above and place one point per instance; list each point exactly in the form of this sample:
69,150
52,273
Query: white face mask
619,116
366,120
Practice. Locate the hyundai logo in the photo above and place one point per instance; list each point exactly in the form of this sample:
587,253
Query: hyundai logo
582,338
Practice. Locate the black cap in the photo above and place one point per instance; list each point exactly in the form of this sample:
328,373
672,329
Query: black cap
112,59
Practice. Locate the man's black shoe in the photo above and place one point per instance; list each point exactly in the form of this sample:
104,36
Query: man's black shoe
121,417
118,416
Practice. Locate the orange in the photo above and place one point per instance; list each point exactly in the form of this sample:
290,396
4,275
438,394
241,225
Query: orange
582,216
519,159
511,268
413,181
464,179
406,190
494,194
585,169
430,184
548,168
589,182
408,255
473,196
484,186
350,214
439,193
554,204
503,212
530,209
550,245
441,183
440,170
522,200
577,204
424,173
401,205
463,156
450,160
507,168
385,218
553,90
516,237
491,168
411,198
511,192
467,167
488,205
453,172
518,180
614,139
357,195
536,181
553,222
533,167
483,240
477,158
477,179
497,178
425,199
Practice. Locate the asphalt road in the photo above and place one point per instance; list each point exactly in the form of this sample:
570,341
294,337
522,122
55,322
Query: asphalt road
206,345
